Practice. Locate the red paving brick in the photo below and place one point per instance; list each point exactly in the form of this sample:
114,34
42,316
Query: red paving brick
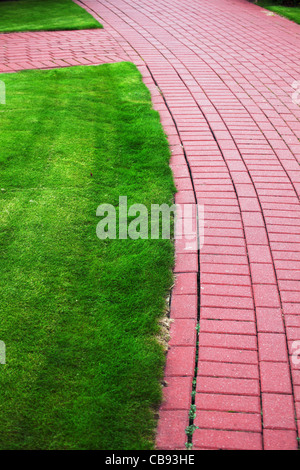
228,420
229,91
228,403
177,393
171,429
278,411
280,440
229,440
275,377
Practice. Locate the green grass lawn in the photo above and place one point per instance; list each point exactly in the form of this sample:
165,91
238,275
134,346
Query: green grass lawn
79,315
46,15
292,13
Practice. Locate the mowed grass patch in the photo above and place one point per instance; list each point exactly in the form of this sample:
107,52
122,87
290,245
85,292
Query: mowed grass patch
44,15
79,315
292,13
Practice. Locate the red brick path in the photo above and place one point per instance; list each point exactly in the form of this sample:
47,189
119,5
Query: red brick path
49,49
225,69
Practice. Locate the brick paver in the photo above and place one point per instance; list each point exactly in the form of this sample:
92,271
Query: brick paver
221,75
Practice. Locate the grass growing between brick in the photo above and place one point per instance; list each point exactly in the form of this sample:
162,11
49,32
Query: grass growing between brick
79,315
292,13
44,15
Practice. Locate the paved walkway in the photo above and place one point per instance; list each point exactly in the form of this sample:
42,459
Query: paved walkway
50,49
225,70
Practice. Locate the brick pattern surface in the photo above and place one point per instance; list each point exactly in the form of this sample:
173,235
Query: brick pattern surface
221,75
50,49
